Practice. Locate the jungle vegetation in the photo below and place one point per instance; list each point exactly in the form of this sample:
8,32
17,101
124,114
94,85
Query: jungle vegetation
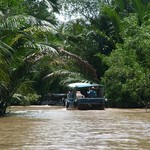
102,41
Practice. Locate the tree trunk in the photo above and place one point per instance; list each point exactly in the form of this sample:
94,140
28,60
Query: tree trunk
3,107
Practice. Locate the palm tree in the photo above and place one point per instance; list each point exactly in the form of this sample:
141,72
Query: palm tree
20,49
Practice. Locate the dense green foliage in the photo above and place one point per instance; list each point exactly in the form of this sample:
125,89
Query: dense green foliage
114,38
127,79
102,41
21,48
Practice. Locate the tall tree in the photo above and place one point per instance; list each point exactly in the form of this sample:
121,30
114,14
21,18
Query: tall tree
127,78
21,47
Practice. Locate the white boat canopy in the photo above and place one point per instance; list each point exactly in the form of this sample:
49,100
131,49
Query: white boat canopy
82,85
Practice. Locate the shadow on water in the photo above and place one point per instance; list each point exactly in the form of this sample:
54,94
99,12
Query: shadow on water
55,128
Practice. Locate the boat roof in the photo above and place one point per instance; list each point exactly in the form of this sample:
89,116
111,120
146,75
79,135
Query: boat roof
82,85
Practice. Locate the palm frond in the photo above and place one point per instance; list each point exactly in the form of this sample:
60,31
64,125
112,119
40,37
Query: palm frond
65,77
61,73
86,66
3,85
17,22
22,21
16,39
52,5
114,17
18,96
44,29
138,7
5,51
69,80
4,76
120,4
43,50
42,47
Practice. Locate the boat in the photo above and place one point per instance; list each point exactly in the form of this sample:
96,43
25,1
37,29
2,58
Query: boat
85,101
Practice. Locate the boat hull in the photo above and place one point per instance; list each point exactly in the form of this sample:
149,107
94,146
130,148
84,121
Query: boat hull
91,104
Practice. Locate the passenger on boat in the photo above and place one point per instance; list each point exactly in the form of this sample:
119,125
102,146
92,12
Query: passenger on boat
70,98
70,94
92,93
79,95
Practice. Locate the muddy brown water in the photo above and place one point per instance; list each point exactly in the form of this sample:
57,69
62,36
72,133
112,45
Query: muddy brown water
55,128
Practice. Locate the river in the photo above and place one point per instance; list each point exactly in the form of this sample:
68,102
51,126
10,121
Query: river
55,128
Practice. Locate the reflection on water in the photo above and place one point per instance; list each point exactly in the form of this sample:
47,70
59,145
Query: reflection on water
49,128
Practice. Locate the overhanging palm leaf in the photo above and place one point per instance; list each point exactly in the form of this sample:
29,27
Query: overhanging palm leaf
43,50
65,76
62,73
86,66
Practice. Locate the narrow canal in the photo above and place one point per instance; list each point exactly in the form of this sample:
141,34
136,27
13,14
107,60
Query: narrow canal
55,128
